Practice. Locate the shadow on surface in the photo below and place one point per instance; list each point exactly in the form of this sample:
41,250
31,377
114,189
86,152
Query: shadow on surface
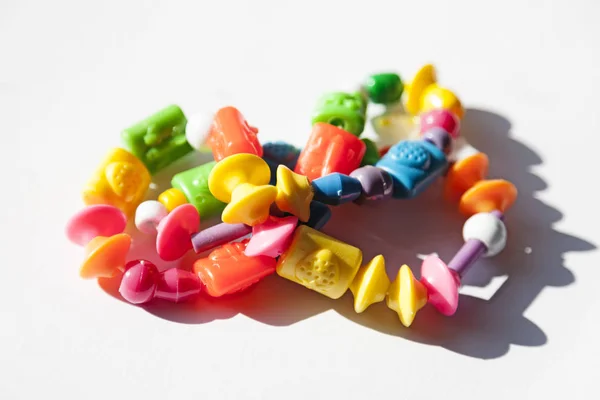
400,230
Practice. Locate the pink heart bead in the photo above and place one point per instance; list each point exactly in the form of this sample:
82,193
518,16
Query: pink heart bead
178,285
175,231
95,220
272,237
442,285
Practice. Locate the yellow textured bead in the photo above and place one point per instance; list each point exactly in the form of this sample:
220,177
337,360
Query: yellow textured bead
121,180
406,296
320,262
370,284
294,193
172,198
234,170
249,204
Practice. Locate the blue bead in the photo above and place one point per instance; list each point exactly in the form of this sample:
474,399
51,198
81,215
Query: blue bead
413,165
336,189
319,215
281,153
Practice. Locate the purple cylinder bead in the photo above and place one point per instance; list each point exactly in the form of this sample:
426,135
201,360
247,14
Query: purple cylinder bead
217,235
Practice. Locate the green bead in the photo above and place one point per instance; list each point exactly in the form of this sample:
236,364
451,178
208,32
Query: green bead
384,88
371,155
347,111
194,184
159,139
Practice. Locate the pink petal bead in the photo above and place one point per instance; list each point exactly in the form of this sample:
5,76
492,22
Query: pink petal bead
139,281
442,285
440,118
178,285
175,231
272,237
95,220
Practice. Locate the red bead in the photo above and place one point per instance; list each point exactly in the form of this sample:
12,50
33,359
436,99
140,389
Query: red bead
440,118
178,285
139,281
231,134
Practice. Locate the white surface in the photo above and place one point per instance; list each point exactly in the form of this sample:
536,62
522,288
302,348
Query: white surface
73,74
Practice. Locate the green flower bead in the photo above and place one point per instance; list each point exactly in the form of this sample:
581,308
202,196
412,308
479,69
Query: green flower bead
384,88
344,110
159,139
194,184
371,155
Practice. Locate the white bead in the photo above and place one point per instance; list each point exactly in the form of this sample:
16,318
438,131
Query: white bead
489,230
148,214
198,128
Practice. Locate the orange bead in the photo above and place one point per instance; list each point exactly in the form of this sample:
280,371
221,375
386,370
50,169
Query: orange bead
487,196
231,134
464,173
105,256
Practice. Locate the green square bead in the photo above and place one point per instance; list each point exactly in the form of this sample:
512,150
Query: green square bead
194,184
347,111
384,88
371,155
159,139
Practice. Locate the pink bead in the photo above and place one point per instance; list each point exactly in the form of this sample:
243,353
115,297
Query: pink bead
272,237
139,281
175,231
178,285
442,285
95,220
443,119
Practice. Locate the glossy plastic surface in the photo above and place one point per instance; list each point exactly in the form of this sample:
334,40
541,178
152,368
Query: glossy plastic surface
172,198
95,220
177,285
384,88
370,284
406,296
344,110
413,92
438,97
487,196
371,153
463,174
376,184
329,149
440,118
442,285
228,270
335,189
198,129
231,134
320,262
272,237
235,170
487,229
175,231
159,139
294,193
105,256
250,205
194,184
319,215
139,282
215,236
121,180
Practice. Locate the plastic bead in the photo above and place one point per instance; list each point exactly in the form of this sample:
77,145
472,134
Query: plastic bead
489,230
272,237
105,256
319,215
148,215
294,193
231,134
376,184
371,153
440,138
93,221
463,174
437,97
413,92
172,198
487,196
177,285
228,270
194,184
329,149
344,110
423,94
440,118
413,165
384,88
370,284
121,181
392,128
217,235
175,231
159,139
336,189
198,130
406,296
281,153
442,285
320,262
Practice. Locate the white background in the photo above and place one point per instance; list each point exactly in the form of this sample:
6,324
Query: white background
74,73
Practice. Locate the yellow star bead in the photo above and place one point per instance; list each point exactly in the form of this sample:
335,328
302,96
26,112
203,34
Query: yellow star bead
435,96
121,181
370,284
414,91
249,204
235,170
406,296
172,198
294,193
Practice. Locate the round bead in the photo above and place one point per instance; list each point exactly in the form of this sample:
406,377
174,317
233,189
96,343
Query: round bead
139,281
376,183
172,198
489,230
384,88
440,138
197,129
440,118
148,215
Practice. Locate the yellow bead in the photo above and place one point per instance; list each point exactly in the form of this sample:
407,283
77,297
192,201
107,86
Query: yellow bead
235,170
435,97
414,91
249,204
121,181
172,198
370,284
294,193
406,296
320,262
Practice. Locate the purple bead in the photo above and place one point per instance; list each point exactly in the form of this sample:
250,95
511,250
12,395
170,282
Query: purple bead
440,138
217,235
376,183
